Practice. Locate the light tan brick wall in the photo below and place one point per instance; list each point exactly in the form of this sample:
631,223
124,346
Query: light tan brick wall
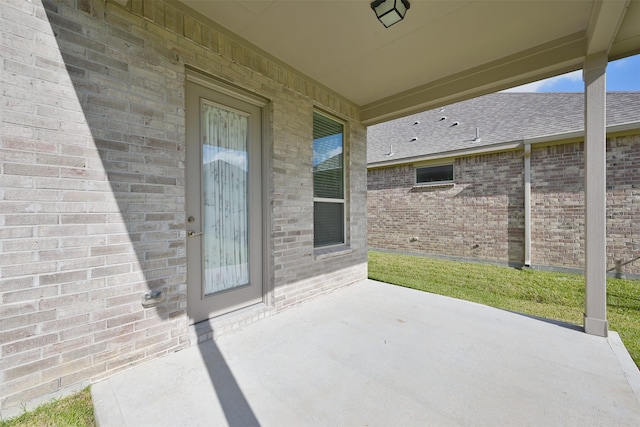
92,184
482,217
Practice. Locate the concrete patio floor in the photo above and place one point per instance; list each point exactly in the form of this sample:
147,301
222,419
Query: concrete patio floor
374,354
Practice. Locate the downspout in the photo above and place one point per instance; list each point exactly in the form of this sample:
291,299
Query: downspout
527,205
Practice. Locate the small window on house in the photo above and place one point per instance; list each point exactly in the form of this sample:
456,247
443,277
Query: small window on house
328,181
442,174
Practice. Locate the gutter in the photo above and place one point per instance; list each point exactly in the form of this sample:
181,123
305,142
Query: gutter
504,146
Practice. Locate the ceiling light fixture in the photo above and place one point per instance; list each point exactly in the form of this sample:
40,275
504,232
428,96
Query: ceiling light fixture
390,12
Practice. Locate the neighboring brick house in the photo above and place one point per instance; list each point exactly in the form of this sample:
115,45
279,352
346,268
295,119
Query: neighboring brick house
454,185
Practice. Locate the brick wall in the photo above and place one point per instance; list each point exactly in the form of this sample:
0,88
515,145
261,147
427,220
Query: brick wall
623,204
482,216
92,185
558,205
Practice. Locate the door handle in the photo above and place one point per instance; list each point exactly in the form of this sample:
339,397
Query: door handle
192,233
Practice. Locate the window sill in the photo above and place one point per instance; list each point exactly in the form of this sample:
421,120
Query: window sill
331,251
435,185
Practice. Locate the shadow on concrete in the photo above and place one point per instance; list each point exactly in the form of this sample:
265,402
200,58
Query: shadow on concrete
377,354
235,406
560,323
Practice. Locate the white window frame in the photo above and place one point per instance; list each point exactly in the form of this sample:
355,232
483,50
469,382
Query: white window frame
345,188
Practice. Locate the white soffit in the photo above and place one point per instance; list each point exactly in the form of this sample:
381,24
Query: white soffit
487,45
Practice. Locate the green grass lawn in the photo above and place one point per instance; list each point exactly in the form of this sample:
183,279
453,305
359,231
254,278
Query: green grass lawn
72,411
558,296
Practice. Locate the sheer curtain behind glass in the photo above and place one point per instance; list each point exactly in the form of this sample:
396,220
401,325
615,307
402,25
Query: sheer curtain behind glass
225,205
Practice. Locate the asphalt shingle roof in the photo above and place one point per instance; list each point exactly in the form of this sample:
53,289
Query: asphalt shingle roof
499,117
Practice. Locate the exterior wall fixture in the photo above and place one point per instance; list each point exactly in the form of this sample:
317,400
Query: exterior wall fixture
390,12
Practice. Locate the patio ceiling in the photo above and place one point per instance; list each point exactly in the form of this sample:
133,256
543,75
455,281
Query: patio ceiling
443,52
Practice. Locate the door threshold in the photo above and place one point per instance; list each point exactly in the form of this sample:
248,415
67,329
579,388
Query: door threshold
214,327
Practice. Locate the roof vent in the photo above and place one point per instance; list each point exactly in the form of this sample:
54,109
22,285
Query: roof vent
454,124
477,138
441,109
442,118
390,153
414,139
417,122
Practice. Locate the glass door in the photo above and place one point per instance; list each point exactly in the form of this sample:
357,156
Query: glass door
224,209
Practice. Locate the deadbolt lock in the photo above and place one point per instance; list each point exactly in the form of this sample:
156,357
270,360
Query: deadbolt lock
191,219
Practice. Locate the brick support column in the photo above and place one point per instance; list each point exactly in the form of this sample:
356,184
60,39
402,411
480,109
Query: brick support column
595,317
